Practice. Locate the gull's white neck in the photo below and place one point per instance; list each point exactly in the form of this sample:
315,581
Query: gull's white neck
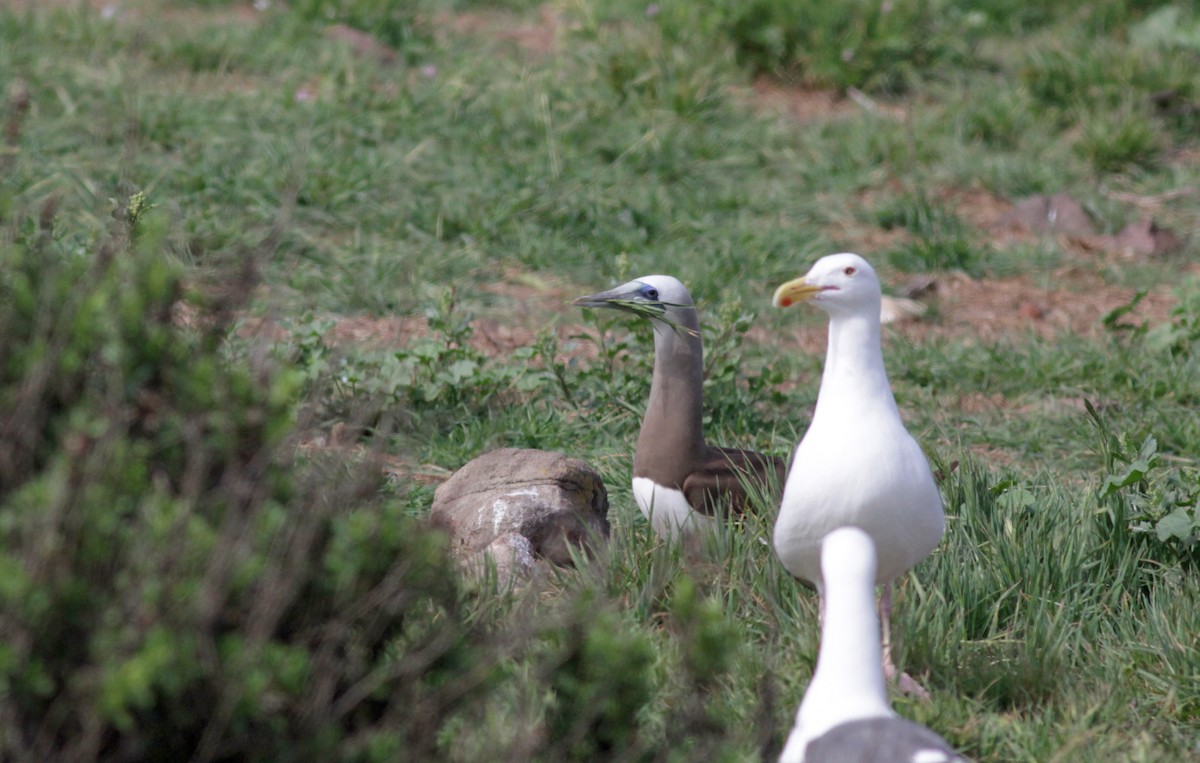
854,370
848,683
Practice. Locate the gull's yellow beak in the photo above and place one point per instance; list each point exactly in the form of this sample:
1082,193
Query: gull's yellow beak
798,290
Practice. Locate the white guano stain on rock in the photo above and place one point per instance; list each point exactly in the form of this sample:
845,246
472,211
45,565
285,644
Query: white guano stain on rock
500,507
499,514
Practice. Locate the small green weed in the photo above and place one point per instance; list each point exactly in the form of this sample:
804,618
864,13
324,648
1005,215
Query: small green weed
1180,335
1144,495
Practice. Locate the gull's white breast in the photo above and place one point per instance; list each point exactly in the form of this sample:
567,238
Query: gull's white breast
867,472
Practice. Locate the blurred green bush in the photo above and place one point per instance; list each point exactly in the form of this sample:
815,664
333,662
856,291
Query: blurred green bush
175,584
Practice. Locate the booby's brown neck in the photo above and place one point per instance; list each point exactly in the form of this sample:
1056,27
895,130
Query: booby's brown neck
671,440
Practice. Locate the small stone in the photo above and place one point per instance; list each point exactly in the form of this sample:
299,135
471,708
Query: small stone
555,502
1056,214
899,309
920,285
1146,238
1030,311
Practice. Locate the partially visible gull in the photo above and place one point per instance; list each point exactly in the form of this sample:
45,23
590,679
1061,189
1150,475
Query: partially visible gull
845,716
679,481
857,464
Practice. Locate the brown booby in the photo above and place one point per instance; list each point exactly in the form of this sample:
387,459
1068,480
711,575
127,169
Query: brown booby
845,714
679,481
857,464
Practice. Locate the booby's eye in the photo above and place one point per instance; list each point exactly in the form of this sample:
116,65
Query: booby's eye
649,292
850,270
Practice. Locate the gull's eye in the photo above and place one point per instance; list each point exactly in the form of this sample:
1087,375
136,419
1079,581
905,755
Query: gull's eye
649,292
850,270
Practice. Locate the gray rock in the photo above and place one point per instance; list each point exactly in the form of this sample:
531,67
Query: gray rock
1059,214
555,502
1145,238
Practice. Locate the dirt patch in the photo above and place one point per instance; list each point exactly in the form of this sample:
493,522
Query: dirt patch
807,105
997,309
520,307
362,43
992,456
540,37
962,308
994,308
126,10
811,104
981,209
492,336
975,206
96,5
803,105
980,402
374,332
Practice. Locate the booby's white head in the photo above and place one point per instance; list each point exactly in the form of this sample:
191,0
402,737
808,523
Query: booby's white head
838,284
651,297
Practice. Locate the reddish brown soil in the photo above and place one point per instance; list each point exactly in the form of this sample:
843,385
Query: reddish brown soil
994,309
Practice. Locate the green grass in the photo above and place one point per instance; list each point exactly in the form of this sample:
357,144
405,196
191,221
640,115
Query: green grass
1056,621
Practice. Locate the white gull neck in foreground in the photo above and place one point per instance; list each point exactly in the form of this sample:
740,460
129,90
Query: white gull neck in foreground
845,716
848,683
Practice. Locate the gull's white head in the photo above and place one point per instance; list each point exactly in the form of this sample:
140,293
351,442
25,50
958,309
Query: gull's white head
648,296
838,283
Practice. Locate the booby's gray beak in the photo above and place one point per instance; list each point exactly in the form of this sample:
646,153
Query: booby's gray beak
626,298
604,298
796,290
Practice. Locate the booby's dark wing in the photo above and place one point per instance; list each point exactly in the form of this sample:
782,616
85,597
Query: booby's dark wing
719,480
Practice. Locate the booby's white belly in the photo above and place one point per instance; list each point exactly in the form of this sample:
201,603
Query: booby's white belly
667,509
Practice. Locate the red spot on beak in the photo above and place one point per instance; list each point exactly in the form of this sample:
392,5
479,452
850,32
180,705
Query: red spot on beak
785,302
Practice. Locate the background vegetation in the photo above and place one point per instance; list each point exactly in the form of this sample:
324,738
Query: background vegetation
228,228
